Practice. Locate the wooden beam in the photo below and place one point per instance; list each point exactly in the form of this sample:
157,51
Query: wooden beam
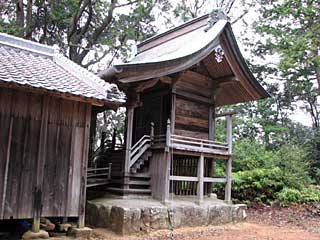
193,97
214,180
225,79
236,69
197,154
67,96
146,84
166,79
183,178
225,114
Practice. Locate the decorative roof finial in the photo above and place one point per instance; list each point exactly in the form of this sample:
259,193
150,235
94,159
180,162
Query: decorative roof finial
215,16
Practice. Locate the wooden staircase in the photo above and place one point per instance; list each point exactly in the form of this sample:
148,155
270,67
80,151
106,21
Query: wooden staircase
137,181
131,177
141,162
131,184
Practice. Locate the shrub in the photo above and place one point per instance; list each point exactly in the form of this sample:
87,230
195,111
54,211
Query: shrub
306,195
292,161
310,194
257,185
289,195
249,154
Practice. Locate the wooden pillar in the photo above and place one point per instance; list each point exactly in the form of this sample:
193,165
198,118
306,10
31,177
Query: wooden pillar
200,178
84,165
166,187
152,131
168,136
129,126
6,171
211,123
229,161
212,134
37,195
173,110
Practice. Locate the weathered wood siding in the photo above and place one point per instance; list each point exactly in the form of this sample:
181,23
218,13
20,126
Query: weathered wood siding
42,139
191,118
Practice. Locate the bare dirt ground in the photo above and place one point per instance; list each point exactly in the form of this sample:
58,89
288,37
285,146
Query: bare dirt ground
300,222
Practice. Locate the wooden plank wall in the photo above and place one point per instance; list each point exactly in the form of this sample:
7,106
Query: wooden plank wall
65,129
191,118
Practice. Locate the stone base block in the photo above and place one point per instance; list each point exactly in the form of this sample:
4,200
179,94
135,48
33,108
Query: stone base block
80,233
134,216
32,235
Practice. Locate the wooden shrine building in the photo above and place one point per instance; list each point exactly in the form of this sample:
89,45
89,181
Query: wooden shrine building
173,86
45,113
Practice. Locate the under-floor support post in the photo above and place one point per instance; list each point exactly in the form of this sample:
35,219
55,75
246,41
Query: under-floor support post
228,181
168,164
229,161
200,178
37,199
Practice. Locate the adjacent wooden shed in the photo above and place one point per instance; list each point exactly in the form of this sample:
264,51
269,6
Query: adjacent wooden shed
45,110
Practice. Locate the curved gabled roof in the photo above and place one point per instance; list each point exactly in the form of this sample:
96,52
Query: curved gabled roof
187,46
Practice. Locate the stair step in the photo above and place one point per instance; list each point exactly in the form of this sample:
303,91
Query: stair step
130,191
138,175
143,183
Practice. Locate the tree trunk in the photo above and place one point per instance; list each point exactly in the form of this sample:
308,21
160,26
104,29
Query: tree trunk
20,17
29,27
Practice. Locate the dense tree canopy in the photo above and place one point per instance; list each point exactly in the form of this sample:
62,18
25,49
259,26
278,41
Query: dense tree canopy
102,28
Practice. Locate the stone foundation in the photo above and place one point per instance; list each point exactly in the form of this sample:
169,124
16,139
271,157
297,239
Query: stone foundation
129,216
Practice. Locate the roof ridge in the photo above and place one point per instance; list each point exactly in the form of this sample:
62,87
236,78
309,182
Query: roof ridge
173,29
26,45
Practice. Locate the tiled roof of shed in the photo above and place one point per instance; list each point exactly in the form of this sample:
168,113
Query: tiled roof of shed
38,66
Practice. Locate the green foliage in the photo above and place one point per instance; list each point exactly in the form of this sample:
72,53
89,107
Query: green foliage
291,33
292,161
86,31
257,185
291,195
259,173
249,154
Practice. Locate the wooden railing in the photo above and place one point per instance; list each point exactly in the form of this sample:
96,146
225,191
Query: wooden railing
138,149
98,176
198,145
184,143
203,146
